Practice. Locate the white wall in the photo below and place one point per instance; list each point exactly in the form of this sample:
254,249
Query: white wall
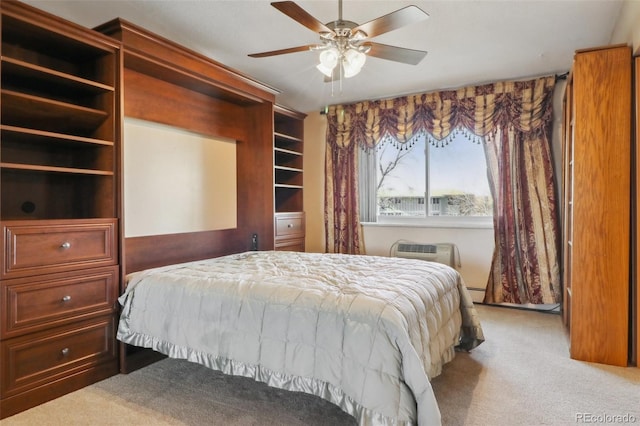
475,246
177,181
315,129
627,28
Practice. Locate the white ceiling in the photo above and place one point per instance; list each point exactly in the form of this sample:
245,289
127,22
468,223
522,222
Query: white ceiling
469,41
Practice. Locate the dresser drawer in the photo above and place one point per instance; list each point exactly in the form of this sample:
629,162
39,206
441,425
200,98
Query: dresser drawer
30,304
290,225
37,247
29,361
295,244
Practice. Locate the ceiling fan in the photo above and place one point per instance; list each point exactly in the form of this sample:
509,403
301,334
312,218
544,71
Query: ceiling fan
344,45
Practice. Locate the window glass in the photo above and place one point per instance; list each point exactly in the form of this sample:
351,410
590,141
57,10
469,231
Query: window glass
453,178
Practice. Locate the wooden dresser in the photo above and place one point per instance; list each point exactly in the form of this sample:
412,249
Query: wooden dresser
288,142
597,206
59,207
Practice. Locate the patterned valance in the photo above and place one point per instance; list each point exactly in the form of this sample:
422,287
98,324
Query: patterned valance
477,110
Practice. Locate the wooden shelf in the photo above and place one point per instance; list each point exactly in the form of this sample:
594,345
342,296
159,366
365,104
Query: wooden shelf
36,168
16,69
31,135
23,110
288,176
287,151
59,141
58,119
289,169
287,137
288,146
284,185
57,47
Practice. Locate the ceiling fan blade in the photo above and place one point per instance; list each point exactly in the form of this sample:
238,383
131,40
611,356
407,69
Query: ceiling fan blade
392,21
394,53
300,15
284,51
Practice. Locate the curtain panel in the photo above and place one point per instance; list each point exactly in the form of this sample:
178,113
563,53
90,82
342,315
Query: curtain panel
514,118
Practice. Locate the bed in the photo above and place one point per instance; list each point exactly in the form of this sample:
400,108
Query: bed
366,333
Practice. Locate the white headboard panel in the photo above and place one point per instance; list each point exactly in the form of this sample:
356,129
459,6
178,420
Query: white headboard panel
177,181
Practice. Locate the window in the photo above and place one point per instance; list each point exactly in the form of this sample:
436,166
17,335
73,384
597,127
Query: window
453,178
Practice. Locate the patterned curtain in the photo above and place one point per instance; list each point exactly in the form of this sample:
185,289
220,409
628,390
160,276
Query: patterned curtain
515,119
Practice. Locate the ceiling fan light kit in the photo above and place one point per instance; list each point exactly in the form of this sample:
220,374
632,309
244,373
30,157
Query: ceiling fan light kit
351,60
328,61
344,45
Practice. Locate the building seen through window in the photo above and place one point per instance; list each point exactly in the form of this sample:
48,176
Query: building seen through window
453,178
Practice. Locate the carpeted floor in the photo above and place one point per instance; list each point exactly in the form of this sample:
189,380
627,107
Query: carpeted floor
521,375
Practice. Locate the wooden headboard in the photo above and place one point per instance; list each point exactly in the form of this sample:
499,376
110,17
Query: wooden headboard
169,84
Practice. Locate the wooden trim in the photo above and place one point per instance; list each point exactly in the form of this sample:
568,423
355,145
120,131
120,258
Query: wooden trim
605,47
181,107
28,13
137,39
287,111
160,250
635,284
78,380
160,69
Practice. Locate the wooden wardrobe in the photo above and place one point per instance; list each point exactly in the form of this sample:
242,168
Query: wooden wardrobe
597,153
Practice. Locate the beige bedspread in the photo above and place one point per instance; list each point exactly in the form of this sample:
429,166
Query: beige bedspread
366,333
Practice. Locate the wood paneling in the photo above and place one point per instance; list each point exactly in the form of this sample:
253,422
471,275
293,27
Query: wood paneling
160,250
599,266
176,106
168,84
155,55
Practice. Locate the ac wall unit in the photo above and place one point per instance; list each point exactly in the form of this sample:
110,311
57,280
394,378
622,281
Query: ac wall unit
441,252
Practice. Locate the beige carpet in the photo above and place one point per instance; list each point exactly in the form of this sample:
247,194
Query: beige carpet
521,375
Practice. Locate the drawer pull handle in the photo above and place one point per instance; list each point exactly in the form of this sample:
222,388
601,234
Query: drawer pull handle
65,245
66,298
290,225
65,352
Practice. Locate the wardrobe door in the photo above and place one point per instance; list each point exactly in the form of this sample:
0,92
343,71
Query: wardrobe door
635,326
601,208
